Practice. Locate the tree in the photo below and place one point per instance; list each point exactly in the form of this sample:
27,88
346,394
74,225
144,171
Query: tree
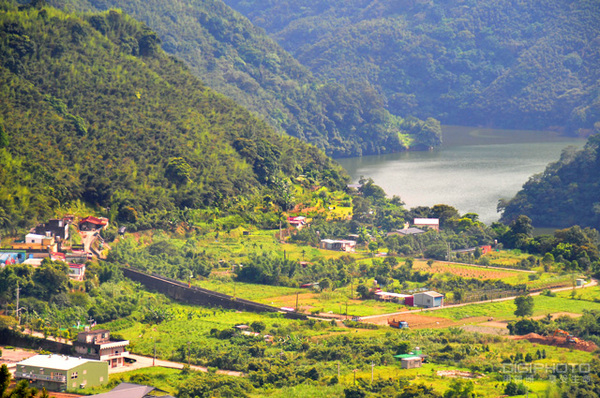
373,246
3,137
513,388
418,391
22,390
460,389
4,379
363,291
325,283
354,392
258,326
524,306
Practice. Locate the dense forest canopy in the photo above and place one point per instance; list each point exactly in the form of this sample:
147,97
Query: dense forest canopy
503,63
94,110
239,60
565,194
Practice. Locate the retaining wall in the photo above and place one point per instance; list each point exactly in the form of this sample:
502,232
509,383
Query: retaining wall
198,296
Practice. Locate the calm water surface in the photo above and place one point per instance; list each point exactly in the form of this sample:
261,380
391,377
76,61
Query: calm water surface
474,168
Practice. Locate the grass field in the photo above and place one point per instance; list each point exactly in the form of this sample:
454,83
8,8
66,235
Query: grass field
506,258
505,309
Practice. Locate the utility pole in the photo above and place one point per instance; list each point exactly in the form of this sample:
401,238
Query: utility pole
188,353
372,367
297,302
154,358
17,307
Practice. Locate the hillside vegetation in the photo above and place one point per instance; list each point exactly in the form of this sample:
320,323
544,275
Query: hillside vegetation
526,64
94,110
239,60
565,194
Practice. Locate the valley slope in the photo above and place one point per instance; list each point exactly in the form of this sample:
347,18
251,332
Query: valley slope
528,64
94,110
239,60
565,194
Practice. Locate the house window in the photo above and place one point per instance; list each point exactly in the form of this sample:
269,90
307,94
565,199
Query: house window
85,371
101,379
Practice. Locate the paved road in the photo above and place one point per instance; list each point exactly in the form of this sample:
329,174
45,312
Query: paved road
593,282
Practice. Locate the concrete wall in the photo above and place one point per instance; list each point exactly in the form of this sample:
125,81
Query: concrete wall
198,296
14,338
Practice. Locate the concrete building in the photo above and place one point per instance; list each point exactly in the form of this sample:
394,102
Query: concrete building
58,228
59,372
8,257
76,271
411,362
428,299
428,223
96,344
339,245
93,223
36,243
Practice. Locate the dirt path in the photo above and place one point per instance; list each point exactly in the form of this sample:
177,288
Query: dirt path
147,362
488,267
10,357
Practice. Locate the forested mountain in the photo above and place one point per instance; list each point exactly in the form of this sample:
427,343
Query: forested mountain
239,60
93,109
567,193
503,63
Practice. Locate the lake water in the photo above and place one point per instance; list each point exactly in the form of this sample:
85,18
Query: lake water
473,169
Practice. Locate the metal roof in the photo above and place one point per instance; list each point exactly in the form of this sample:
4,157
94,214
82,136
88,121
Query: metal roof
127,390
58,362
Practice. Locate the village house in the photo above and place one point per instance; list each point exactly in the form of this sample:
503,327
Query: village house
58,228
406,232
59,372
76,271
427,223
36,243
299,222
96,344
130,390
428,299
339,245
392,297
12,257
93,223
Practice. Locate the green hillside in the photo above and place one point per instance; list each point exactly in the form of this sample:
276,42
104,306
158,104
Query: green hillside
94,110
565,194
526,64
239,60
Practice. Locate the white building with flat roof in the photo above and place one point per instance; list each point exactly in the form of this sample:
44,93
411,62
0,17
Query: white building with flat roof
431,223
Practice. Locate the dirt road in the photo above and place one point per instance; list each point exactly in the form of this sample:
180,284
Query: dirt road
147,362
382,319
